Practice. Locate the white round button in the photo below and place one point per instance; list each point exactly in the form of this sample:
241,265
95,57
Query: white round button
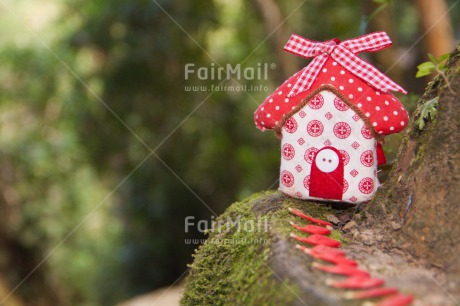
327,160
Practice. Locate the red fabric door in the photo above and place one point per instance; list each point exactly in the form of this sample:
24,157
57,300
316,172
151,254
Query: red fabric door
326,177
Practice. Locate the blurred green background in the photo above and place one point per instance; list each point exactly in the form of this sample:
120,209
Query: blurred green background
103,150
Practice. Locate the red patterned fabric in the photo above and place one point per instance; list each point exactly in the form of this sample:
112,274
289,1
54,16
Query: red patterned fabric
384,111
345,54
327,153
329,149
336,64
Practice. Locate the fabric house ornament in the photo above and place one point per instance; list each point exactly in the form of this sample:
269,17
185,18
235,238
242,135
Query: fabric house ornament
331,117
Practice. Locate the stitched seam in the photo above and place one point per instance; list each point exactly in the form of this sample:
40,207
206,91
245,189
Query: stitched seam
334,90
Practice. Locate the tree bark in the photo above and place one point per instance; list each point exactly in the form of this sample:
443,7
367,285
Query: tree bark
278,34
422,192
436,23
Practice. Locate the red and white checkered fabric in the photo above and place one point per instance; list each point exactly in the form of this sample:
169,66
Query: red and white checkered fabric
344,53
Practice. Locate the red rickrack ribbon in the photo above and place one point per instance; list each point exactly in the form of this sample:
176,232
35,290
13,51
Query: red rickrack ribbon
344,53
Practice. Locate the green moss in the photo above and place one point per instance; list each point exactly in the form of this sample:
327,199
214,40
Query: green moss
338,236
232,267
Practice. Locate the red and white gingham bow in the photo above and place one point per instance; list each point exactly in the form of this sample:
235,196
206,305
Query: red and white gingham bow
344,53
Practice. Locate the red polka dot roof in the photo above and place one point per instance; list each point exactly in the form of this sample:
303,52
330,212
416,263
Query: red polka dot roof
386,114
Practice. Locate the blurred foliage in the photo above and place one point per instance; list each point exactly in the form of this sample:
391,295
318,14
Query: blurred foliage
84,192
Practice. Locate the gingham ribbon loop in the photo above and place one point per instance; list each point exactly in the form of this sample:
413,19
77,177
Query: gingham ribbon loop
345,54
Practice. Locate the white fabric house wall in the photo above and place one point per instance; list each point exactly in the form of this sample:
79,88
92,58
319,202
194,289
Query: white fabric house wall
327,121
